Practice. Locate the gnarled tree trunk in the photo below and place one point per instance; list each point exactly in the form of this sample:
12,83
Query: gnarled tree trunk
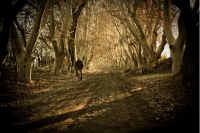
23,68
57,65
9,13
140,38
178,47
190,66
23,54
60,48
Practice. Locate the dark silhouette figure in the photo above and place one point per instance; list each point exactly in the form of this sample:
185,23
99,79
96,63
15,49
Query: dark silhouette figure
79,67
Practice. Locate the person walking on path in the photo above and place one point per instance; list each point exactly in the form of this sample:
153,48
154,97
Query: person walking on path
79,67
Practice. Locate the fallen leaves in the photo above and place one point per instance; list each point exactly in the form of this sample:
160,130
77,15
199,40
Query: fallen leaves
156,102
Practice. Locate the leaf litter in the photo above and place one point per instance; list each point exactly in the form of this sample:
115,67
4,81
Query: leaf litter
158,96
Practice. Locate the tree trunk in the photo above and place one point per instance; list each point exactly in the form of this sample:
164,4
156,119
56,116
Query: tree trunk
68,64
23,68
177,48
51,61
60,45
154,40
190,66
123,58
57,65
168,24
139,56
151,64
86,32
68,58
8,17
23,55
4,41
72,53
39,62
126,63
139,36
73,33
133,57
59,56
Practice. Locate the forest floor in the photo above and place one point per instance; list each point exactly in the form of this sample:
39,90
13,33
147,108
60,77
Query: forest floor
106,101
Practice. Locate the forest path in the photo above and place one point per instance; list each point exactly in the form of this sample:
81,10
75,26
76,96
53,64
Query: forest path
104,102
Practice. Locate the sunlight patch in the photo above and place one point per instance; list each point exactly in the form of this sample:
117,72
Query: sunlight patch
94,113
138,89
74,106
122,96
145,77
42,90
80,105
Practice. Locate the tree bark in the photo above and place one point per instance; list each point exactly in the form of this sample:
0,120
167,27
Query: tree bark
60,44
83,52
177,48
23,54
154,40
139,56
68,58
8,15
168,22
133,57
57,65
140,38
190,64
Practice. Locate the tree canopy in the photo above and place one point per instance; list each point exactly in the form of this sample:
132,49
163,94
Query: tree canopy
123,33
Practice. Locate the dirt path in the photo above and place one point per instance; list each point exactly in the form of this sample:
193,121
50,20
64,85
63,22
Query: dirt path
104,102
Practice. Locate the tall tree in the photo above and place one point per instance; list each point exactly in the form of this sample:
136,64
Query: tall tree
76,11
24,53
143,24
176,45
8,12
136,28
59,40
190,66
